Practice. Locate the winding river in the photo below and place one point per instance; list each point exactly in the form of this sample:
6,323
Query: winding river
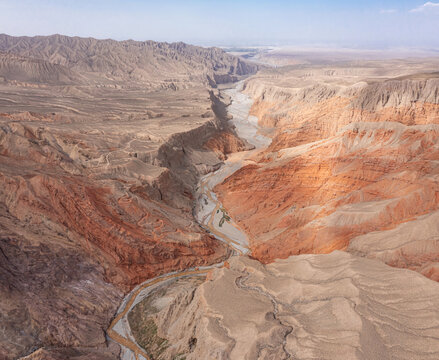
210,214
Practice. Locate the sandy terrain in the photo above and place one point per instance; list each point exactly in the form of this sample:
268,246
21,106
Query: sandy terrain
278,56
209,216
313,306
209,211
305,307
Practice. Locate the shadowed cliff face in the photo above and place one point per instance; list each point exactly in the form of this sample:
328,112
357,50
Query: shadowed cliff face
350,167
102,144
123,222
101,147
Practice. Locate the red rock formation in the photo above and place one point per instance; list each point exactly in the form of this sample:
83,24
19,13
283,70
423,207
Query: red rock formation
346,161
303,122
316,198
135,236
224,143
116,230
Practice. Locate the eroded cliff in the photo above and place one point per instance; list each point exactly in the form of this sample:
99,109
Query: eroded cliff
351,159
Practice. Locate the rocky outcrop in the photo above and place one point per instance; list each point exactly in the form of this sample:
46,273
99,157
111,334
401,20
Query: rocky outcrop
121,232
52,293
225,143
308,306
397,94
350,168
24,70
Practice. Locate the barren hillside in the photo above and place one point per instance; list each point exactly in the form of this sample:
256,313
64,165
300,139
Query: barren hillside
128,230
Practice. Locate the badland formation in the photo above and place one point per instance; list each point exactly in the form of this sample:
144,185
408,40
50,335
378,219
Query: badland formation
168,201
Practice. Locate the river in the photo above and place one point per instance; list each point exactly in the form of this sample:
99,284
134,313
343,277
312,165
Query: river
209,213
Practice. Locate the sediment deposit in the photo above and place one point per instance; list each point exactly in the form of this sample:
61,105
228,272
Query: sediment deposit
315,306
305,307
143,218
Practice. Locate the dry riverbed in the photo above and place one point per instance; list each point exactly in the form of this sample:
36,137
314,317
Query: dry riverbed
213,217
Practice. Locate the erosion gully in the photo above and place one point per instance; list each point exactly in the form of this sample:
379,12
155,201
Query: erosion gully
210,214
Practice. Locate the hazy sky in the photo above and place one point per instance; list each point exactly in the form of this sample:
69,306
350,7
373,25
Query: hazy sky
368,23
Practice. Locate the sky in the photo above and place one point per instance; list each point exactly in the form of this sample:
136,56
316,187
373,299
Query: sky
370,24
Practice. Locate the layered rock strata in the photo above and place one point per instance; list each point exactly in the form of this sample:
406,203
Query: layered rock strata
349,161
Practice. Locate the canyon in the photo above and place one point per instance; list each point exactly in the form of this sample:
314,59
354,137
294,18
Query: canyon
167,201
98,172
308,306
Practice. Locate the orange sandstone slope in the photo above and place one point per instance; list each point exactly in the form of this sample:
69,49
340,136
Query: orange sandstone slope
370,187
319,110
